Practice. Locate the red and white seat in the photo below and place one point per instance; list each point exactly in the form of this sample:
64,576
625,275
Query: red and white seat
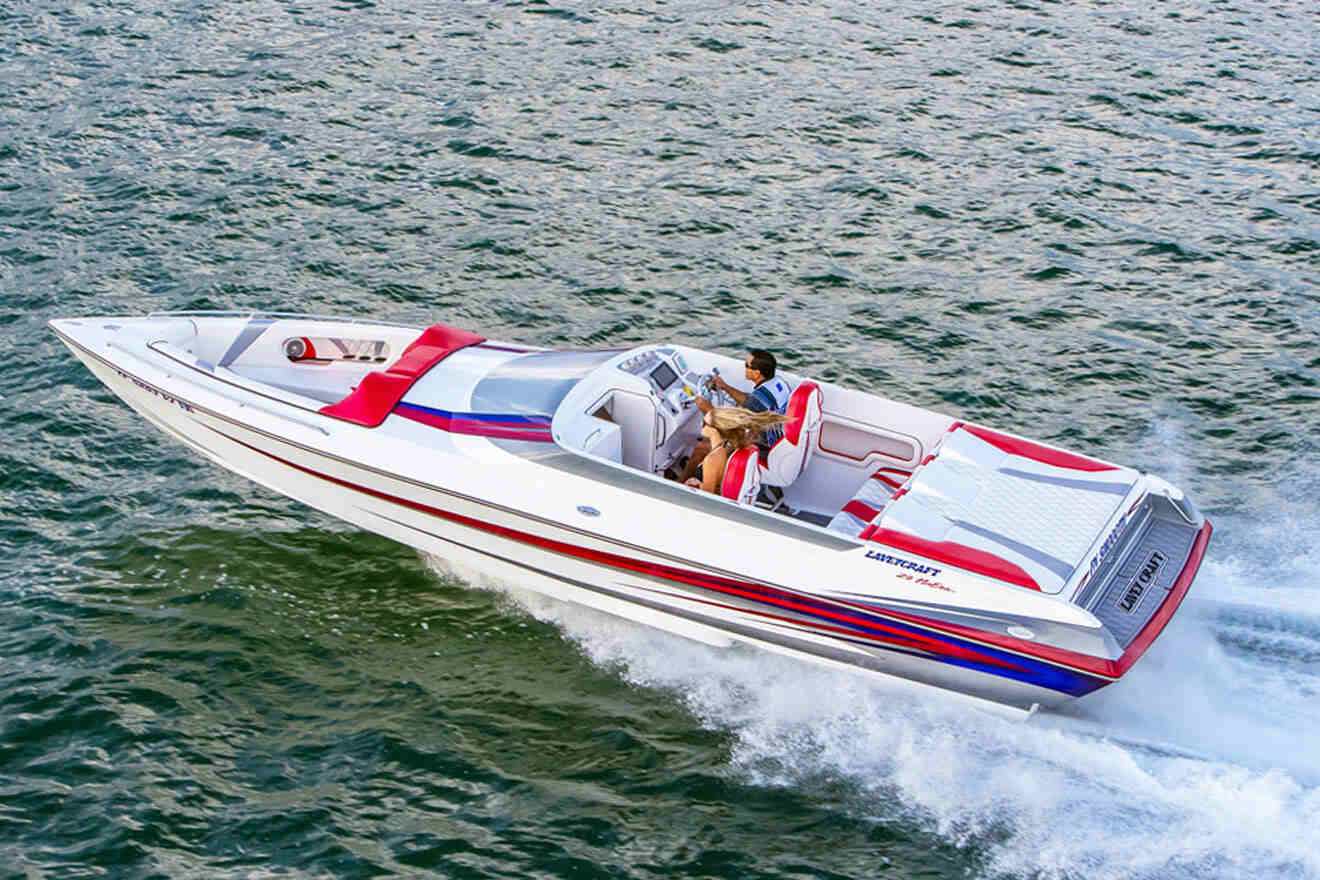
866,506
788,458
742,477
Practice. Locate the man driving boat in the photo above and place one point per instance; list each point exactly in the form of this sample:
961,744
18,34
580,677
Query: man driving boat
769,394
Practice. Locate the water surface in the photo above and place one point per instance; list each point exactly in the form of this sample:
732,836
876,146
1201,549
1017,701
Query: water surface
1095,224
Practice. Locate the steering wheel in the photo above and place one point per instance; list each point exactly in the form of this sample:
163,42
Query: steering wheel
717,396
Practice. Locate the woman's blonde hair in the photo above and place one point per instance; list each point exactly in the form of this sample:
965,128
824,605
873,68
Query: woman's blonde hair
742,427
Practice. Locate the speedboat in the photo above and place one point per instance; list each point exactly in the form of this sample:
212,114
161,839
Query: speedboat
874,535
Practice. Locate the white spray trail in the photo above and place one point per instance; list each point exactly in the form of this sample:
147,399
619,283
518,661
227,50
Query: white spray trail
1203,762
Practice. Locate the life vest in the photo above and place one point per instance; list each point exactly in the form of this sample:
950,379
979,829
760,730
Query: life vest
772,395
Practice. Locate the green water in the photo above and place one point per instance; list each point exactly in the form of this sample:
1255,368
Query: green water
1095,224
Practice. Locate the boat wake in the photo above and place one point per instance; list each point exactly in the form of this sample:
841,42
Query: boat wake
1201,762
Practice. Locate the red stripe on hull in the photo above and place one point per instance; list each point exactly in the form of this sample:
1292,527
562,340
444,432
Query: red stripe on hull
755,592
1084,663
908,640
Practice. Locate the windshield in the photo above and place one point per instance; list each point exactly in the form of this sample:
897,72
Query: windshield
535,384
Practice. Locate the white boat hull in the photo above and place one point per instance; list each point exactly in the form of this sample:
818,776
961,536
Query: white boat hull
567,557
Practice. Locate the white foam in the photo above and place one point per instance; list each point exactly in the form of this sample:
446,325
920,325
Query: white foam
1203,761
1037,799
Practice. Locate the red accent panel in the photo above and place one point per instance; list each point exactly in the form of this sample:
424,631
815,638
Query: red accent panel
310,353
862,511
797,411
1037,452
953,553
735,472
379,391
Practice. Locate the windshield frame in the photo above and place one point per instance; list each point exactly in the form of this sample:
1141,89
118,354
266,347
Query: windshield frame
536,383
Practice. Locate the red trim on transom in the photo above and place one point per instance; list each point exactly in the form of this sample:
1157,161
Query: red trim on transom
1160,618
379,391
1113,669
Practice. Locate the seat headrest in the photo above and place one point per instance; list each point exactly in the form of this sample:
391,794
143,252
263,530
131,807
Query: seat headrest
742,477
799,405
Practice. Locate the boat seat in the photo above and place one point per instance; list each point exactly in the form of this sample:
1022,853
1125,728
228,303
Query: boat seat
869,502
884,486
788,458
742,477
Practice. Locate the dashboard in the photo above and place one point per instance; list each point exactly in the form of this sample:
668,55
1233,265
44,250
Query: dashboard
668,375
638,409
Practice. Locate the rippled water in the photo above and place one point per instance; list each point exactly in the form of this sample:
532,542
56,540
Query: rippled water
1097,224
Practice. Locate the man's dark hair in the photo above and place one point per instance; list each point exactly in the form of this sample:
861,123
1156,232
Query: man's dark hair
763,362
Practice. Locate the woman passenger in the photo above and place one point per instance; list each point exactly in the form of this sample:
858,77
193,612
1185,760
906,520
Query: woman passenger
728,428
